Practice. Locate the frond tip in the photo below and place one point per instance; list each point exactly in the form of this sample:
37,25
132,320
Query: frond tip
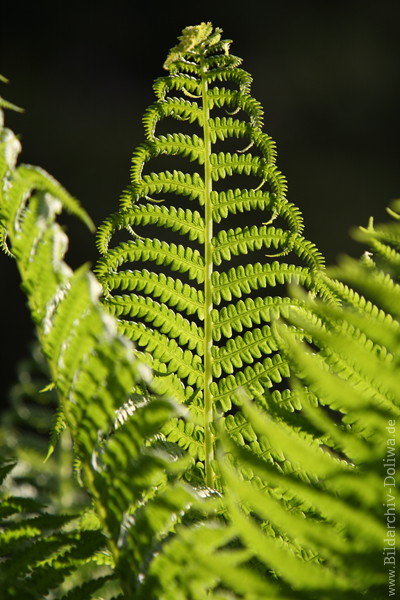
192,36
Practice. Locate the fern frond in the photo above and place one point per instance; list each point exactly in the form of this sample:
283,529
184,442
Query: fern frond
28,177
96,372
243,240
191,147
40,550
178,108
253,378
158,315
186,222
225,164
177,182
242,280
178,257
246,313
234,201
298,493
309,532
164,350
170,291
378,286
204,80
179,82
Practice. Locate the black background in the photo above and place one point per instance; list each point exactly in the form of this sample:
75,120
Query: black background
326,73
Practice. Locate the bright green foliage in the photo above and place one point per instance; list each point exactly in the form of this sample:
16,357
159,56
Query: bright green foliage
94,371
195,303
300,509
24,431
40,549
320,521
356,375
323,528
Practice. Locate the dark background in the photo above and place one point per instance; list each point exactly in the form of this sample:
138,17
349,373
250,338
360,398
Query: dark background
326,73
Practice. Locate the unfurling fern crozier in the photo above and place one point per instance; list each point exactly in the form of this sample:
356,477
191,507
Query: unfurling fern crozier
180,282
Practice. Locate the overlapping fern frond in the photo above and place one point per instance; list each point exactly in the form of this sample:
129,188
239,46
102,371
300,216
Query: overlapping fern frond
323,534
358,341
40,550
319,522
131,479
200,304
355,376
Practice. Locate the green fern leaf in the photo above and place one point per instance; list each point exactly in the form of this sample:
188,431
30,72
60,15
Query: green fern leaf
355,375
204,80
95,372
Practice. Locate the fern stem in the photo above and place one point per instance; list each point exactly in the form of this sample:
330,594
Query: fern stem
208,304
